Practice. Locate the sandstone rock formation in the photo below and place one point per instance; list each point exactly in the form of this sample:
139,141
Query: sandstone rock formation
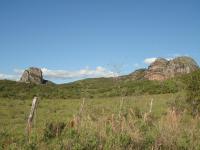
163,69
138,74
32,75
181,65
156,71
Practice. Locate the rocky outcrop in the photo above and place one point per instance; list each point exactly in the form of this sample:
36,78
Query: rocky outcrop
138,74
181,65
32,75
156,71
162,69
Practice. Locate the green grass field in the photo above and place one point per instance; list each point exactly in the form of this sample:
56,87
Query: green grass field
14,113
102,123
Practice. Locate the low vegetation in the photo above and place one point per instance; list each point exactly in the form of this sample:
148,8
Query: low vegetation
103,123
141,119
193,93
91,88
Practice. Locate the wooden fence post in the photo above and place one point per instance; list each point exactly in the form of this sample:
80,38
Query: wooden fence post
31,116
151,104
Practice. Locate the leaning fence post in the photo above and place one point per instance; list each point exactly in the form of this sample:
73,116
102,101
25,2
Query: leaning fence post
31,115
151,104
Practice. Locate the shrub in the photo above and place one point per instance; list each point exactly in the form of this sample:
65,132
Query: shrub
178,104
193,93
53,129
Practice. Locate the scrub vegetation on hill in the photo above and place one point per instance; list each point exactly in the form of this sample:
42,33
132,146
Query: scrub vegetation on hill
92,88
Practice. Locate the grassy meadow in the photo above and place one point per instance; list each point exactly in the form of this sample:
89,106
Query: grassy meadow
99,123
139,115
15,112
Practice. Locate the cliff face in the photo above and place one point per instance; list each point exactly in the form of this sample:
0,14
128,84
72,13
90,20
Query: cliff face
156,71
181,65
32,75
163,69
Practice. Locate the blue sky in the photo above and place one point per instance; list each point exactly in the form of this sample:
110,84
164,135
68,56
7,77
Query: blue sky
73,39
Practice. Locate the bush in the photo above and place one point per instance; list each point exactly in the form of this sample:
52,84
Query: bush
53,129
178,104
193,93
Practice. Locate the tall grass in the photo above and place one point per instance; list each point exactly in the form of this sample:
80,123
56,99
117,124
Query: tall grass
134,123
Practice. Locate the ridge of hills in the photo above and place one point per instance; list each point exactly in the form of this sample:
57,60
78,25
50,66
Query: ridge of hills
137,83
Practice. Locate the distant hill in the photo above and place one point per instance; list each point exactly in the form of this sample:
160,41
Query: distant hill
99,87
162,76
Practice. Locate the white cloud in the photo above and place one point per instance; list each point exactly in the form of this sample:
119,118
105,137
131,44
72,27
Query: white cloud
82,73
170,58
9,77
149,60
65,74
